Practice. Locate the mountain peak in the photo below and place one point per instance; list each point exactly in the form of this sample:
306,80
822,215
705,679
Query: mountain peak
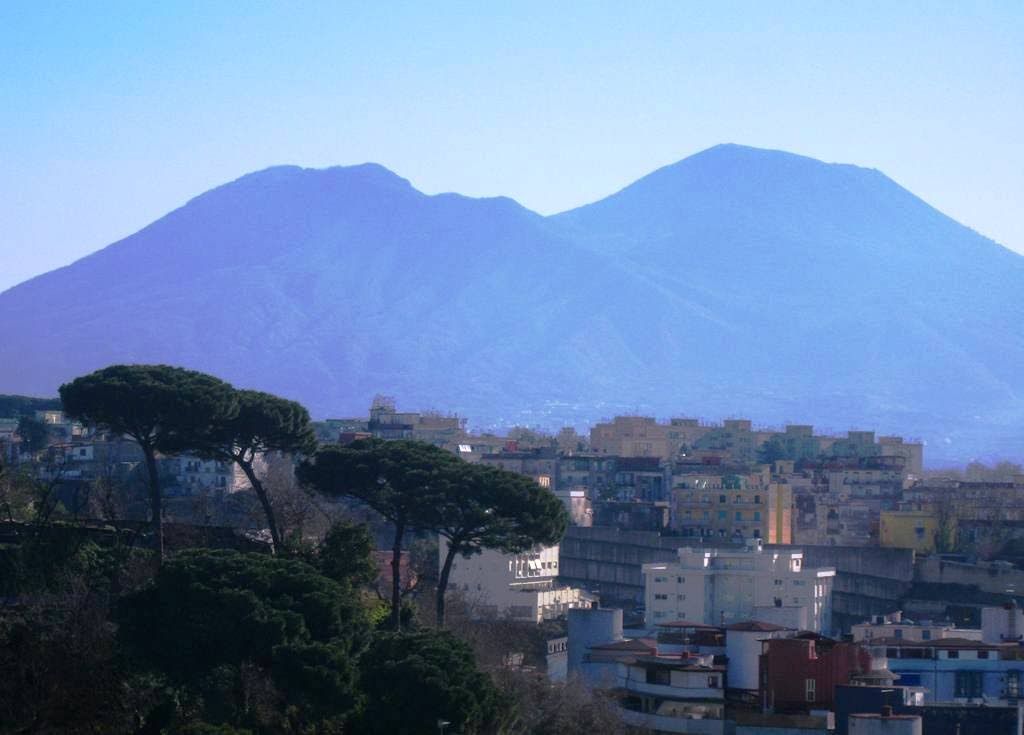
371,175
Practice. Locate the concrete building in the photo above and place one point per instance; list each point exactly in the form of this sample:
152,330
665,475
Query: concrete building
1004,624
800,674
909,529
744,643
660,685
956,669
894,625
519,586
589,628
735,507
719,586
884,723
911,452
630,436
937,718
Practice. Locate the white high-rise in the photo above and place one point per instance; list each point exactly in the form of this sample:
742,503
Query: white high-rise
723,586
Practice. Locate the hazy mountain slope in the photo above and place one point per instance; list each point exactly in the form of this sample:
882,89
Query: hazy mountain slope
329,286
856,298
737,281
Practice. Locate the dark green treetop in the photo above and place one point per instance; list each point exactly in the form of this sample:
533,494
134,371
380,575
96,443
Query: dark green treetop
486,507
209,614
413,681
159,406
404,481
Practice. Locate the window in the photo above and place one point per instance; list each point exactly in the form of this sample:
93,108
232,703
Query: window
778,582
926,635
982,654
739,515
659,676
712,682
660,579
722,515
1012,684
661,597
898,633
680,580
952,654
721,499
757,500
967,684
810,689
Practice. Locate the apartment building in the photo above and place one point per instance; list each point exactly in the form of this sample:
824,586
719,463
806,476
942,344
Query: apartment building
519,586
894,625
731,506
720,586
631,436
956,669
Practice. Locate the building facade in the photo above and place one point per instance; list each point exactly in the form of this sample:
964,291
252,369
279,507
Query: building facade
720,586
519,586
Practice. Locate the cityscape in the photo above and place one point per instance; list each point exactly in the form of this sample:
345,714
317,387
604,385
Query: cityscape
524,368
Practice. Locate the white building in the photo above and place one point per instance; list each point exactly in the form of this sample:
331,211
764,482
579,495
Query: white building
956,669
720,586
519,586
744,644
1002,624
895,626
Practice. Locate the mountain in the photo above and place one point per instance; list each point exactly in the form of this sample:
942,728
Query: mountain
736,282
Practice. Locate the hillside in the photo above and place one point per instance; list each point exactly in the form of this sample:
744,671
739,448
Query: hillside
735,282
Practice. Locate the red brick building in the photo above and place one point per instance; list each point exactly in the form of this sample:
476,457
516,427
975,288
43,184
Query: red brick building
799,674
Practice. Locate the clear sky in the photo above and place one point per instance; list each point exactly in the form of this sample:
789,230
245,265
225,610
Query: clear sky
114,113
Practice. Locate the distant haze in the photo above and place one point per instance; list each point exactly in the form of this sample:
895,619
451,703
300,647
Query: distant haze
737,282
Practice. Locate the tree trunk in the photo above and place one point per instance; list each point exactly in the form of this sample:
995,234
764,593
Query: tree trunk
268,509
442,582
396,578
155,504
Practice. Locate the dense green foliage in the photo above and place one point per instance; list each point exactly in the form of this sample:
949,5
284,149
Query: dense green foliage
412,681
404,481
486,507
220,624
345,554
16,406
163,408
33,433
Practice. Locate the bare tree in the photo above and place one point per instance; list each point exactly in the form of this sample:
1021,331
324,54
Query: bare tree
541,707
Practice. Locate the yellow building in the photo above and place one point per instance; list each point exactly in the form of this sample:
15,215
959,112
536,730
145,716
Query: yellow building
733,507
908,529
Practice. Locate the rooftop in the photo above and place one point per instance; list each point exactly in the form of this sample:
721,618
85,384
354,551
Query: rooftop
756,626
686,624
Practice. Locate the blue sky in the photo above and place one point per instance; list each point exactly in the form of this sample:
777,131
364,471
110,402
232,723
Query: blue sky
114,113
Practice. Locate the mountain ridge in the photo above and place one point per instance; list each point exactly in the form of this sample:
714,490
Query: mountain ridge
736,281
